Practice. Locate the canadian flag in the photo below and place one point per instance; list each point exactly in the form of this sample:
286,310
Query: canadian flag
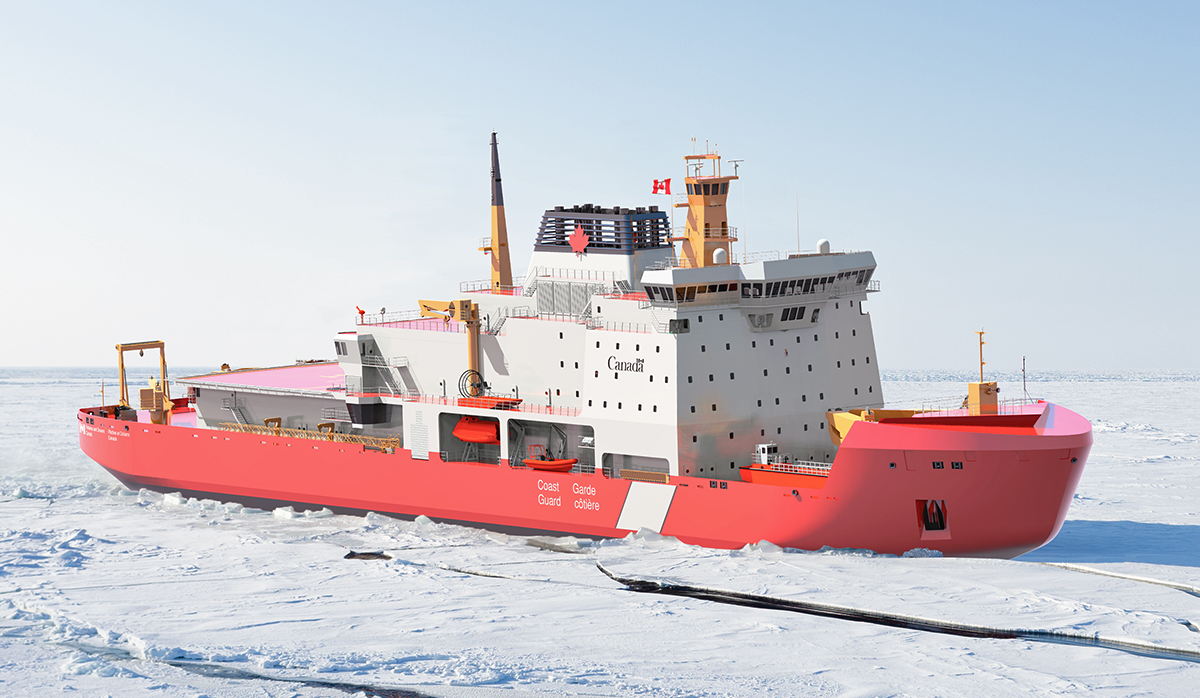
662,186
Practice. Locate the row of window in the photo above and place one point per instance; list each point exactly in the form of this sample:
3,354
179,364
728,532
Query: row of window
759,289
620,405
790,314
803,398
779,432
714,189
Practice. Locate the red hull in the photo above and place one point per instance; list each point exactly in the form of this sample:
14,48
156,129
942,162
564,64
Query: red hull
1009,495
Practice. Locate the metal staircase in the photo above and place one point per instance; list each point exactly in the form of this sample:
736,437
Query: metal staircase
238,410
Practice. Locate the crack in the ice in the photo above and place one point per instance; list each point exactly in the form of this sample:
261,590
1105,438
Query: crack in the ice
895,620
1185,588
222,671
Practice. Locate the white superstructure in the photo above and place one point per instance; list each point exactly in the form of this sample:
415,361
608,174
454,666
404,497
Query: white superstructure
621,354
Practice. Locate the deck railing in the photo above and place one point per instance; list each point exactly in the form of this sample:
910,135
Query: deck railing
385,391
796,467
963,408
389,445
373,360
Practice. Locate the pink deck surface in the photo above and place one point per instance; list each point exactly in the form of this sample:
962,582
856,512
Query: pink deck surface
300,377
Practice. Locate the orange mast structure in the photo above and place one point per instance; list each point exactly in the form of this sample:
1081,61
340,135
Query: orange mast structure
707,233
501,267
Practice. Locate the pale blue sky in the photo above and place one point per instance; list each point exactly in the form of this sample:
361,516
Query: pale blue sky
236,179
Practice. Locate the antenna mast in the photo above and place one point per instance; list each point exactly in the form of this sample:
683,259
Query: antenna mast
983,363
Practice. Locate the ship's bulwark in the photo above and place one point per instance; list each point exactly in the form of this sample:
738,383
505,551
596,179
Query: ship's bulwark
1004,491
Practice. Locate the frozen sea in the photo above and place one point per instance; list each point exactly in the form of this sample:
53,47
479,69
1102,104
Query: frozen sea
104,591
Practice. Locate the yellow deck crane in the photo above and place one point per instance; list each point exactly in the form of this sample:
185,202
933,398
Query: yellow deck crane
471,383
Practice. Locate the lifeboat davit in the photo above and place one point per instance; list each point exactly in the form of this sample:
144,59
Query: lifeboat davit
474,430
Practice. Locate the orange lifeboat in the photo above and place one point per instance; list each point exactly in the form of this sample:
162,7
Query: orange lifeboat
538,460
477,431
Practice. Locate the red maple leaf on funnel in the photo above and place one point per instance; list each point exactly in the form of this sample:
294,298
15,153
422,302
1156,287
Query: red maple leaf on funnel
579,240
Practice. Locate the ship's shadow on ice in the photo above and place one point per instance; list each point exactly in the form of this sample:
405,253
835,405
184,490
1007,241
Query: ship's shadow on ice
1122,541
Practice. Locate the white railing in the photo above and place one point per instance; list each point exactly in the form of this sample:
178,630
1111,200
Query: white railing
613,326
755,257
335,414
727,233
373,360
581,274
485,286
384,318
796,467
964,407
515,311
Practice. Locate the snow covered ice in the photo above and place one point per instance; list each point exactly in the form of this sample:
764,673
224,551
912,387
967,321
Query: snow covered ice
104,591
